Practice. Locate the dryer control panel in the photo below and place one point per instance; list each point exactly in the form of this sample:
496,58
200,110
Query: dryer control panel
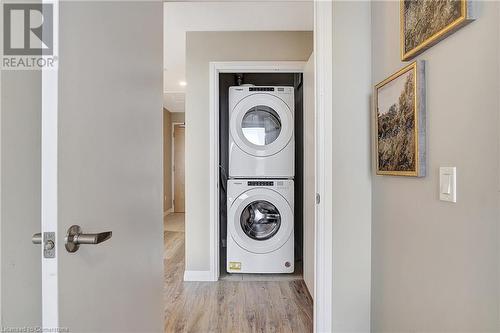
262,89
276,90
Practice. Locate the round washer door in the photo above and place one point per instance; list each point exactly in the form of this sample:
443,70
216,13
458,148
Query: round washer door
261,220
261,124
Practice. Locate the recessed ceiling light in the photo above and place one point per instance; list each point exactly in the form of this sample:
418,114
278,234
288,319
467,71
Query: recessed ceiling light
182,83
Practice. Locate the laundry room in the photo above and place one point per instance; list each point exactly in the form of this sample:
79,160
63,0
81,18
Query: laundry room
259,111
261,175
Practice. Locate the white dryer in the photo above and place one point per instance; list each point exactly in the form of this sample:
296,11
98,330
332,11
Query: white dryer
261,132
260,218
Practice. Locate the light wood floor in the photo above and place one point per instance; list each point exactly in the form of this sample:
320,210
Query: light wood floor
228,306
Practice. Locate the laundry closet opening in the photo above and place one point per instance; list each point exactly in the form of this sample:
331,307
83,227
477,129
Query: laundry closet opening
261,157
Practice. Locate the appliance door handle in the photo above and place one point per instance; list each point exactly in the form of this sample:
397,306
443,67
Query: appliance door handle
271,216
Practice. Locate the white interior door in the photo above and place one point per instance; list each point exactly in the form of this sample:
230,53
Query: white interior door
106,147
179,169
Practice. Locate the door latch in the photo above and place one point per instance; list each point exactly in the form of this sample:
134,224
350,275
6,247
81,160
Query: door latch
49,243
318,198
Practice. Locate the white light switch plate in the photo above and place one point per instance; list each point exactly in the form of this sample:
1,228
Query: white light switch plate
448,184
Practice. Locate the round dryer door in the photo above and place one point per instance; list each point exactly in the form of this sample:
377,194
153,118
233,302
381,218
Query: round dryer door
261,220
261,124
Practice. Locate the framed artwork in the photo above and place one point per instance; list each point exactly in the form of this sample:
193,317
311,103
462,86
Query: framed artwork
400,122
426,22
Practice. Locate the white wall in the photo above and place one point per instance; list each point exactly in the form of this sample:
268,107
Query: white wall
309,172
351,179
436,264
203,47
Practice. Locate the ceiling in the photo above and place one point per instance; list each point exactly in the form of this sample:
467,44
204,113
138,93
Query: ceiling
183,16
237,1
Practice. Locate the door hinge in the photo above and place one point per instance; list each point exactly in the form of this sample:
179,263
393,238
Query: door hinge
318,198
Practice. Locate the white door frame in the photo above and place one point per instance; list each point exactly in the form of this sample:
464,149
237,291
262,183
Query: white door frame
49,183
215,69
323,238
323,72
323,256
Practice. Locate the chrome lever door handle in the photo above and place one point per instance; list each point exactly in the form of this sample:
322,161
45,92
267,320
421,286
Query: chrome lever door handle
75,237
92,238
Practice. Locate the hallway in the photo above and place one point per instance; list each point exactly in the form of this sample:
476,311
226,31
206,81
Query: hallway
228,306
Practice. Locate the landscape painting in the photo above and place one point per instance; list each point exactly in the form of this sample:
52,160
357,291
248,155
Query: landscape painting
426,22
400,123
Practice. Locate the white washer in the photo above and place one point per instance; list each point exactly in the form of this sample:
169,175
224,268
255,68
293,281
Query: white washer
260,236
261,132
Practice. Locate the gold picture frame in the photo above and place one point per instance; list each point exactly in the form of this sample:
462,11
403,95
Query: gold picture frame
466,16
399,103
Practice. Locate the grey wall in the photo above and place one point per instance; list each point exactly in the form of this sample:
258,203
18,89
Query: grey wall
436,264
202,48
351,178
20,198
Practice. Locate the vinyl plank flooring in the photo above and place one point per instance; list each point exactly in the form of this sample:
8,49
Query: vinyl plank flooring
238,304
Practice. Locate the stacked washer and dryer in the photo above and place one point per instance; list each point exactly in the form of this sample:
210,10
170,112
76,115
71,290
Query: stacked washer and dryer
260,188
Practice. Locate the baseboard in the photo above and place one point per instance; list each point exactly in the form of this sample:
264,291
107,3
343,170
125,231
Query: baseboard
170,211
198,276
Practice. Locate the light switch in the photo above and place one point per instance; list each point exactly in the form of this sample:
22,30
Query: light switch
448,184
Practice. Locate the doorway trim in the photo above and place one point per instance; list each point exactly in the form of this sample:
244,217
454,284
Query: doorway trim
216,68
323,106
323,72
49,180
